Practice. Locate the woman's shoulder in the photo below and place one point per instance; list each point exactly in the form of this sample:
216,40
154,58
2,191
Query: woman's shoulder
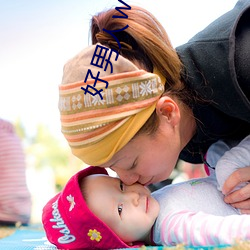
209,65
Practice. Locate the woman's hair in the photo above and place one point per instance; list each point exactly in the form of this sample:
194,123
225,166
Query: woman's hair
145,42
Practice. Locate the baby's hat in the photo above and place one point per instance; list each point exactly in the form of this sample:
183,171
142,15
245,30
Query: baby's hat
69,223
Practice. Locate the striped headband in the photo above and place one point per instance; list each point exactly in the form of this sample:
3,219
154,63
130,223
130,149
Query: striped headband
96,128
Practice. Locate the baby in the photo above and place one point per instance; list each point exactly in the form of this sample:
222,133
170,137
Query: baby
96,211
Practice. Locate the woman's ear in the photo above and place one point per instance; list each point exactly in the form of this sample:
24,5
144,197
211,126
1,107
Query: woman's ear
168,110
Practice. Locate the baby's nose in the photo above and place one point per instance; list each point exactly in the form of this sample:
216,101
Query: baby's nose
133,197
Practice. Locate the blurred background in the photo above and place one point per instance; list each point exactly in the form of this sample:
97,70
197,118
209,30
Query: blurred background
36,39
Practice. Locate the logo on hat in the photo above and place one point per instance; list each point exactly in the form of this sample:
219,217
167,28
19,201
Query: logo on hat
94,235
71,201
67,237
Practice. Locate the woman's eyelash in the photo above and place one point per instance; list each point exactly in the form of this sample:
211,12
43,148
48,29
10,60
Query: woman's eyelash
121,185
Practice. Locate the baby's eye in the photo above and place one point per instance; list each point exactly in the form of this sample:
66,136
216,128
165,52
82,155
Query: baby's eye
120,206
121,186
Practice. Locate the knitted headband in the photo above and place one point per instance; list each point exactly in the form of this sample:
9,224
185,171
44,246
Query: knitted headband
97,126
69,223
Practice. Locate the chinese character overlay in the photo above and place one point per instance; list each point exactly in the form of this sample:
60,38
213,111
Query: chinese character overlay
100,57
100,54
123,8
93,87
112,31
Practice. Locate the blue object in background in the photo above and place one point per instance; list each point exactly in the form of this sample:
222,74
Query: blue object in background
33,238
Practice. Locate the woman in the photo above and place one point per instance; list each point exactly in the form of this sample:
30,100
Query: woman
134,124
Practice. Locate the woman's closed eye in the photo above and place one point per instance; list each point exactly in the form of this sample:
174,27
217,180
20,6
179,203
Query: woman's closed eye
121,186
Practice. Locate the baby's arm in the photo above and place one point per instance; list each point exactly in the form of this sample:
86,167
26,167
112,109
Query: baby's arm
201,229
237,157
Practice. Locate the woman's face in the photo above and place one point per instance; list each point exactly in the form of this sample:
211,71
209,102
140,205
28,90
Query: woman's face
147,159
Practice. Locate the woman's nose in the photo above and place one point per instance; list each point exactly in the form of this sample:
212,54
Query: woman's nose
126,177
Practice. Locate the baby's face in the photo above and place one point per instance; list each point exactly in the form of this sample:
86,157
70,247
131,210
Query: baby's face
130,211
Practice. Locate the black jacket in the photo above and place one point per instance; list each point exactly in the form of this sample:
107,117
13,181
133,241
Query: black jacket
217,66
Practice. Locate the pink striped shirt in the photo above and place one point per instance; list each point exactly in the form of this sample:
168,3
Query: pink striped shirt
15,200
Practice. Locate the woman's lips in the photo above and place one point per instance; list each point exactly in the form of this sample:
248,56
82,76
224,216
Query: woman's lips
148,183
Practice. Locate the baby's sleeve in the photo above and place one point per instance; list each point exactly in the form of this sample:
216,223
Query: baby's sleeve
214,153
233,159
201,229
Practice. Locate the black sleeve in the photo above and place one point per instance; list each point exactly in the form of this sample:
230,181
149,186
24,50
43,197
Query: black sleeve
242,53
